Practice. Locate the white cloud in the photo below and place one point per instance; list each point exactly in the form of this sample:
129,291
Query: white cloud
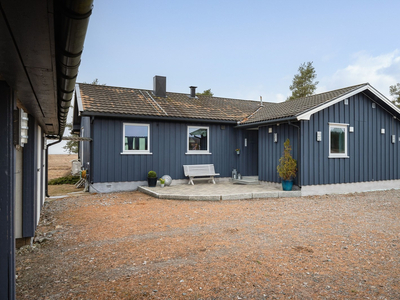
380,71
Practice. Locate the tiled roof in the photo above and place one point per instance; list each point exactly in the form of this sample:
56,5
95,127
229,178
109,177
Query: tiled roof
127,101
292,108
139,102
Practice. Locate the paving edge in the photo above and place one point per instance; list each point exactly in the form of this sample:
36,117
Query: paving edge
239,196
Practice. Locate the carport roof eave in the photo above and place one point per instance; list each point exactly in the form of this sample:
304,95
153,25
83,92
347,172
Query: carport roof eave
32,65
26,65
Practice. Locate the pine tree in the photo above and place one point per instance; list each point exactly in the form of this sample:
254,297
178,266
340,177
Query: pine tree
71,146
395,92
303,84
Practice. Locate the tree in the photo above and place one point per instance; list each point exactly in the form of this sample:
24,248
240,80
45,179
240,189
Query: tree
303,83
71,146
395,92
96,82
206,93
287,167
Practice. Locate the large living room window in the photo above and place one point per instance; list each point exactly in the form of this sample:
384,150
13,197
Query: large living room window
198,140
337,140
136,138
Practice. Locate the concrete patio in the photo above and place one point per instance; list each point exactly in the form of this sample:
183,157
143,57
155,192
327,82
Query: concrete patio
218,191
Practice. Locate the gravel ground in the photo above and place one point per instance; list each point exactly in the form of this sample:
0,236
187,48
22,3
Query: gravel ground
132,246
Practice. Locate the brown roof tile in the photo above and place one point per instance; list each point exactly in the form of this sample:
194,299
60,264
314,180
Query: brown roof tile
292,108
128,101
107,99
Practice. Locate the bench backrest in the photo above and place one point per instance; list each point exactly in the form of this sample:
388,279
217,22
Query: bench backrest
193,170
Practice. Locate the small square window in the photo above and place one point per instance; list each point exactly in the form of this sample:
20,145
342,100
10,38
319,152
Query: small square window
198,140
337,140
136,138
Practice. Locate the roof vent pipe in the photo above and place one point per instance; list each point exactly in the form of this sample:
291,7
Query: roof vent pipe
261,104
193,91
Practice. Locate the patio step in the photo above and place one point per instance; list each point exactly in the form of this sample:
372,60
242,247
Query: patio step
246,180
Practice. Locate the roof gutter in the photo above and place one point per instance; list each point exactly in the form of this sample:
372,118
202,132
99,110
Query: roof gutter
71,20
265,123
142,117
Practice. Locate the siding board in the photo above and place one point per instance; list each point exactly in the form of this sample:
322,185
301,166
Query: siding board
168,144
371,154
29,181
270,152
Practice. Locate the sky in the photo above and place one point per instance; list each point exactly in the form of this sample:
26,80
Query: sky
242,49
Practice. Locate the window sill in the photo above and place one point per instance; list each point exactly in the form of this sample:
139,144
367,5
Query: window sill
338,156
198,153
136,153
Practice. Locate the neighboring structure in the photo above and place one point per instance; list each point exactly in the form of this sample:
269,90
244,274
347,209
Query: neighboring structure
349,136
40,44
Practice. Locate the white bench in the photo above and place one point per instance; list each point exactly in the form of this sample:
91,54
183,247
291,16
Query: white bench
193,171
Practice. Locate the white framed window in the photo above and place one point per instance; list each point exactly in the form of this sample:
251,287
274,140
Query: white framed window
198,140
338,140
136,138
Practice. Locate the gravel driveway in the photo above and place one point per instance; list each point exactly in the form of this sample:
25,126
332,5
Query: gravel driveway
132,246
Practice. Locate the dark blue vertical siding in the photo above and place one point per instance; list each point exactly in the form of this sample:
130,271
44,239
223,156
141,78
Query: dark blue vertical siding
372,156
7,166
247,161
29,181
270,152
168,145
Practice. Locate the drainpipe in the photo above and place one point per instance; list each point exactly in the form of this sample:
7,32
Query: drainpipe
47,164
298,153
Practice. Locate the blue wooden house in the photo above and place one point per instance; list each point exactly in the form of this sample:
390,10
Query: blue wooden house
41,46
343,139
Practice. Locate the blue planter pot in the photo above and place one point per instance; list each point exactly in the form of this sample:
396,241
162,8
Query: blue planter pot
287,185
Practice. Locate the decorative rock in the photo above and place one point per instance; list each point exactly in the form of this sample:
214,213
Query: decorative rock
168,180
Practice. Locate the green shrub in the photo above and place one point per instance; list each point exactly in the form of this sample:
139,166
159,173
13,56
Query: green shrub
152,174
64,180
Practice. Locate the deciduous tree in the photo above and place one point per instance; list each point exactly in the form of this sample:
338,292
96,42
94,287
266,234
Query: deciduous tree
206,93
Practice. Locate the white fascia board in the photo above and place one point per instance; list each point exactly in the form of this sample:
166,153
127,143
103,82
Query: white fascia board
306,116
384,99
78,99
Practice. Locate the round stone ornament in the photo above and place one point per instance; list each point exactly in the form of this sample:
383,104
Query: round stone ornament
168,180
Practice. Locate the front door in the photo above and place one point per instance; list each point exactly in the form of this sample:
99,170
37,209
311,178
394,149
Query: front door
248,159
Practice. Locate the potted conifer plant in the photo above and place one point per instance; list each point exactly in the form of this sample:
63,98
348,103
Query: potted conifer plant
162,182
287,167
152,179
